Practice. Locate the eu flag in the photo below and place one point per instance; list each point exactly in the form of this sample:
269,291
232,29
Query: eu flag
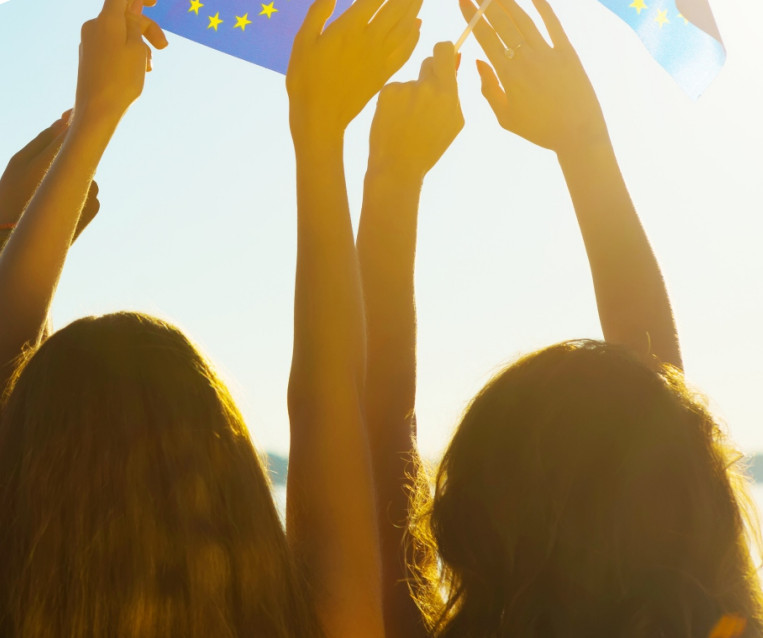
689,53
258,31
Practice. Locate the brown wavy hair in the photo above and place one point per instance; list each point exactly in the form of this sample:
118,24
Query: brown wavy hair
585,495
132,502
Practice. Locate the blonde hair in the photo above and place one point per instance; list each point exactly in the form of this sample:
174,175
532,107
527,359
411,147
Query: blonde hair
132,502
584,494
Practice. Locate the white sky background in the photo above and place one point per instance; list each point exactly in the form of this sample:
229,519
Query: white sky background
198,210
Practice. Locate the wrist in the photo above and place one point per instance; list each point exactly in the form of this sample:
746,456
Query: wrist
396,162
314,132
87,140
394,175
586,128
85,124
585,139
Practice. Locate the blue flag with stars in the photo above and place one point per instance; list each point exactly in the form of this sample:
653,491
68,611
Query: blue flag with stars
689,53
259,31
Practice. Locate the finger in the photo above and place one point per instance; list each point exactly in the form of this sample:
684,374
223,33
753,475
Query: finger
48,154
362,11
134,26
491,44
553,24
41,157
408,39
394,12
317,16
41,142
494,93
427,70
504,25
527,29
153,32
149,3
444,61
89,211
140,26
114,7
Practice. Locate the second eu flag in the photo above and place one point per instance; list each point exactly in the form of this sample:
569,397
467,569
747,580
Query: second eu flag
258,31
684,40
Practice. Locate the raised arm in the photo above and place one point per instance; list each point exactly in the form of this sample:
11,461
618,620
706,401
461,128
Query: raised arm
113,62
542,93
331,523
414,124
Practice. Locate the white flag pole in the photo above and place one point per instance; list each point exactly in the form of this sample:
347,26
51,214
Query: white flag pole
472,23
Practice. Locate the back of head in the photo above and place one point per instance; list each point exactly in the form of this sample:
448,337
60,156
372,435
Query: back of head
585,495
132,502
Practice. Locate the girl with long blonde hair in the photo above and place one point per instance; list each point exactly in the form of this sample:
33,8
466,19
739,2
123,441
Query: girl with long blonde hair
132,502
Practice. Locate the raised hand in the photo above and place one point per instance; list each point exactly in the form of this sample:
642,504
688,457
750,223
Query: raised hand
114,58
538,91
334,72
417,121
26,170
542,93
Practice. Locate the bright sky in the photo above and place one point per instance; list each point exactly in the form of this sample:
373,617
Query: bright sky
198,210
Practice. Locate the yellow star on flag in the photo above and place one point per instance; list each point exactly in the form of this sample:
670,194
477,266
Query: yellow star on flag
214,21
639,5
242,21
195,6
662,18
682,17
268,10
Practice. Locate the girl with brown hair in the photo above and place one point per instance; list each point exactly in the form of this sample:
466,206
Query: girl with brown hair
587,492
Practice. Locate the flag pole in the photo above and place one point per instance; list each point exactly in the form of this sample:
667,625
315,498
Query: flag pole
472,23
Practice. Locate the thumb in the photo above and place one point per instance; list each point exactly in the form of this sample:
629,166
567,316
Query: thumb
494,93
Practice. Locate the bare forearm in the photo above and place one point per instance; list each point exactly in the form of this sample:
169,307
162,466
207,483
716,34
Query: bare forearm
633,302
328,303
386,250
331,509
32,261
